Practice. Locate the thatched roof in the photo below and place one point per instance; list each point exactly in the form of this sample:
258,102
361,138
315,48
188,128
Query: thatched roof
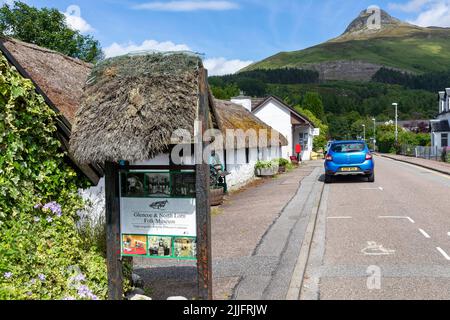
132,105
60,77
232,116
60,80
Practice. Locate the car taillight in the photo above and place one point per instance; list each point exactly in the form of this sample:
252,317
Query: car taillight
329,158
369,156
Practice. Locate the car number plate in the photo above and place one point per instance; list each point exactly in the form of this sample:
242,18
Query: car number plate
352,169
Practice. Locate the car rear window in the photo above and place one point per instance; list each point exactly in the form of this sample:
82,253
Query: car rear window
348,147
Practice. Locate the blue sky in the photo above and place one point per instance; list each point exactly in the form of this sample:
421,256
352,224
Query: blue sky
231,33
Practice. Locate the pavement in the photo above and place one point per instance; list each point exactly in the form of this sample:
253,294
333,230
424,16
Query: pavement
256,239
441,167
383,241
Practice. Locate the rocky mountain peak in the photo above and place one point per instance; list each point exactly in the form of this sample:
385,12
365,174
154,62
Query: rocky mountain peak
367,18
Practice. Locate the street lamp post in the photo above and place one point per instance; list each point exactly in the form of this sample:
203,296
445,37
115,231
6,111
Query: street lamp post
374,134
396,121
364,127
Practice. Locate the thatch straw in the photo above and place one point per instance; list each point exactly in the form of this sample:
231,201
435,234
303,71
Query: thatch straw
60,77
232,116
132,105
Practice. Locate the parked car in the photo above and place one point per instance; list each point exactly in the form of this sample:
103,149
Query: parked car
328,146
349,158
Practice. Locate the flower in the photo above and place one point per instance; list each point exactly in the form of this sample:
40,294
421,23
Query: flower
38,206
49,219
7,275
37,219
79,278
54,207
85,292
41,277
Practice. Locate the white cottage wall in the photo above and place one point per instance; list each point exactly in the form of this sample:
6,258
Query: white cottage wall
279,119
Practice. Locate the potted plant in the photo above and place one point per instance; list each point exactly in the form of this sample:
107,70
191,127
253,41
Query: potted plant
282,163
217,182
265,168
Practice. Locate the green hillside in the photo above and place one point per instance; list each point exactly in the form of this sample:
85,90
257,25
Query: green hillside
397,45
420,53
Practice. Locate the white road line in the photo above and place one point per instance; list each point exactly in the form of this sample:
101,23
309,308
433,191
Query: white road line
448,234
396,217
426,235
378,189
339,218
411,220
443,253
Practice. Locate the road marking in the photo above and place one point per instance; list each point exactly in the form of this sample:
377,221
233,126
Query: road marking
448,234
443,253
426,235
396,217
339,218
374,249
379,188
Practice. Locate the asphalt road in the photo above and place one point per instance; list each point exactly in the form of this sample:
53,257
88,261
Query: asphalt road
387,240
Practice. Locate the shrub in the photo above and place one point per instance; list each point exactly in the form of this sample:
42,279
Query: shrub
283,162
42,255
264,165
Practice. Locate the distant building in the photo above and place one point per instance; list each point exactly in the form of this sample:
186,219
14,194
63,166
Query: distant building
440,127
295,127
416,126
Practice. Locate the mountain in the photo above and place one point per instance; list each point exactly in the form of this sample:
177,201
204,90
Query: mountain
361,51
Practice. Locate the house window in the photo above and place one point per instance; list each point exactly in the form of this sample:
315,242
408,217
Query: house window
444,140
247,155
303,141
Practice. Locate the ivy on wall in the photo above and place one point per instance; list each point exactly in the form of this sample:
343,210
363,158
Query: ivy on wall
41,252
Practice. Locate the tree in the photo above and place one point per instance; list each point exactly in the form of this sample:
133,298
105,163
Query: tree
313,102
252,87
225,93
47,27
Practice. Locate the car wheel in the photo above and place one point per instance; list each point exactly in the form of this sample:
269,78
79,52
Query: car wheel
328,179
371,178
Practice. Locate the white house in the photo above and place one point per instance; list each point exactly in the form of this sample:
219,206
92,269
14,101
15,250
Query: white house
295,127
240,161
440,127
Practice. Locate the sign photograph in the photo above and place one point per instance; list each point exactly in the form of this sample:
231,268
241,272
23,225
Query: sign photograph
158,214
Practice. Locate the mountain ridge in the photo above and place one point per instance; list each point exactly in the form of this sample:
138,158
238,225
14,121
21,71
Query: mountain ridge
360,51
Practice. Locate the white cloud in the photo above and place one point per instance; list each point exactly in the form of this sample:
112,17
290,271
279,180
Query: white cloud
215,66
75,21
117,49
194,5
411,6
8,2
437,15
222,66
429,12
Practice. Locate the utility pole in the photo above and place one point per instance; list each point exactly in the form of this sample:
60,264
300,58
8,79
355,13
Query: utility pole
364,127
396,121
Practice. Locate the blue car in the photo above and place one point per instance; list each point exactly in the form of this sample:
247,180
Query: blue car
349,158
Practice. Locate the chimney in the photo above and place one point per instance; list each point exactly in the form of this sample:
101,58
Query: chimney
244,101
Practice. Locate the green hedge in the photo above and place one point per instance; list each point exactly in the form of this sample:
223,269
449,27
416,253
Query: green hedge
41,252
